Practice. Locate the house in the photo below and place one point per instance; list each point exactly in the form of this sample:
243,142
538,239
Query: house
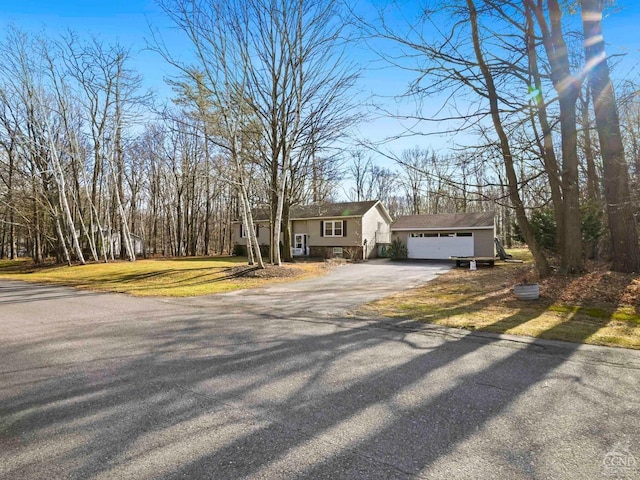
440,237
350,229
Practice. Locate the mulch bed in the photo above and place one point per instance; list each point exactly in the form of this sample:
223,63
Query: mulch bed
270,271
594,288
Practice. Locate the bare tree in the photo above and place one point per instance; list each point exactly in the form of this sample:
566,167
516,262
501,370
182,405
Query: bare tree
359,171
414,178
289,79
505,148
218,34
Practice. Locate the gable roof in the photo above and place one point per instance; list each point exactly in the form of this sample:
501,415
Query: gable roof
453,221
324,210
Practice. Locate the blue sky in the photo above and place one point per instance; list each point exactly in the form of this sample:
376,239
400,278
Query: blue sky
127,21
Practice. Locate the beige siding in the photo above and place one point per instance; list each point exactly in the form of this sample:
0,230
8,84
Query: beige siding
354,229
263,236
299,226
483,244
402,236
312,229
237,239
358,229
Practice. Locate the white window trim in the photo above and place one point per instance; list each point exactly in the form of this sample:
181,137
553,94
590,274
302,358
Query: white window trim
303,237
333,228
244,231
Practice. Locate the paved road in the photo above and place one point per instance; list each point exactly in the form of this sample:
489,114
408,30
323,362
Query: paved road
281,383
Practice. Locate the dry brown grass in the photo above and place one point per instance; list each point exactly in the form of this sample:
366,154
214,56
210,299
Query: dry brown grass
600,307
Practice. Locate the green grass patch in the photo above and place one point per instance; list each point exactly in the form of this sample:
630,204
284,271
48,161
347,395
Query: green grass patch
175,277
624,314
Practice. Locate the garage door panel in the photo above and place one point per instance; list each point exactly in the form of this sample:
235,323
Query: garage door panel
439,248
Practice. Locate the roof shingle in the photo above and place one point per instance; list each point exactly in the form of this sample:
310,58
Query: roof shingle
445,221
324,210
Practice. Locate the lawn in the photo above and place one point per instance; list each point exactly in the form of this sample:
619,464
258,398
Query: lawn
601,307
174,277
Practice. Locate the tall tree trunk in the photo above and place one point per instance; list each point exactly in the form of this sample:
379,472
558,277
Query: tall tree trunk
547,149
64,204
207,207
61,240
37,253
246,205
11,207
125,234
3,238
275,229
567,88
525,227
286,230
593,182
247,228
622,224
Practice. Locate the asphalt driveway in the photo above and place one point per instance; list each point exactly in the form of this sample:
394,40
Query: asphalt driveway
344,288
280,382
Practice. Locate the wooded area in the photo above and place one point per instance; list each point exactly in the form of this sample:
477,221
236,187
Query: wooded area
533,84
92,168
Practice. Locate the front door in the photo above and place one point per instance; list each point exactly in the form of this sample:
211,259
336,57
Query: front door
299,244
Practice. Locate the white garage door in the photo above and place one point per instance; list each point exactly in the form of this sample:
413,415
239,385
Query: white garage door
440,247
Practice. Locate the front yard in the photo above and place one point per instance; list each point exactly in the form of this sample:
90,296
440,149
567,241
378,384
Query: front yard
174,277
601,307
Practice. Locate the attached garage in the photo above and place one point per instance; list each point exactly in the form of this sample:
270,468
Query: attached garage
439,237
440,246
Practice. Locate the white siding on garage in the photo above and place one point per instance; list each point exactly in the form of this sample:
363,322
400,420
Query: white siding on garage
440,246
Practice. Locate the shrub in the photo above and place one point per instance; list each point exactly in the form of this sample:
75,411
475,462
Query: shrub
351,253
397,250
239,250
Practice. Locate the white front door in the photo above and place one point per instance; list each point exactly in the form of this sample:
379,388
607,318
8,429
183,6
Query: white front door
299,244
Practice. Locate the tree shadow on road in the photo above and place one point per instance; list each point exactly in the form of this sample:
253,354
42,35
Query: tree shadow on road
220,394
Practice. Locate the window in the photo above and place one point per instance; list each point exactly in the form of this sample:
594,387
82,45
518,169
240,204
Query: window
465,234
421,235
337,252
333,228
243,233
